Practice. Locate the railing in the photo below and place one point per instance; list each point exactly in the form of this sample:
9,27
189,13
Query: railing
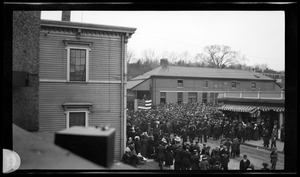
278,95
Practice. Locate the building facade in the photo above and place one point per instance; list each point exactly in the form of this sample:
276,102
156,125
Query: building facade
177,84
82,77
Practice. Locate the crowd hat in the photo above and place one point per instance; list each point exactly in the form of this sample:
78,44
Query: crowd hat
177,139
127,149
265,164
204,157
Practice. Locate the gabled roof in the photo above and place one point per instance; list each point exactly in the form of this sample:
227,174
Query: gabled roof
198,72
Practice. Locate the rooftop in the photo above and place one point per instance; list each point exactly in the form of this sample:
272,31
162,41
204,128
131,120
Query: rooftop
198,72
68,24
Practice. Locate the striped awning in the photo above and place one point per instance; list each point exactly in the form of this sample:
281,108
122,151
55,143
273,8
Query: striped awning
250,109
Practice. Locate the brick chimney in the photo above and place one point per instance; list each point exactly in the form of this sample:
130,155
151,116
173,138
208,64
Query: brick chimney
164,62
66,16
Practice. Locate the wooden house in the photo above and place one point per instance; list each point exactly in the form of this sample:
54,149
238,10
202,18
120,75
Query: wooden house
82,77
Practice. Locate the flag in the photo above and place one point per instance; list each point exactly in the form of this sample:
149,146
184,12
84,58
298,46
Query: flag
144,104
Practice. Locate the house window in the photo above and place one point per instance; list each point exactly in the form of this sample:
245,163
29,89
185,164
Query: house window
205,83
162,97
77,114
204,97
179,83
179,97
77,118
192,97
233,84
78,64
253,85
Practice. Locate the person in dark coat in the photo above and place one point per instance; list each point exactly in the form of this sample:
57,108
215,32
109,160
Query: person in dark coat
186,159
137,145
195,160
150,148
265,168
205,134
234,148
204,164
144,146
169,156
178,158
244,163
160,152
215,157
274,158
224,154
216,166
265,135
200,133
255,132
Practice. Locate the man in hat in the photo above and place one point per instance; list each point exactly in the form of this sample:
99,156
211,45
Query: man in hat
160,152
186,158
195,160
216,166
244,163
265,166
274,158
178,157
204,164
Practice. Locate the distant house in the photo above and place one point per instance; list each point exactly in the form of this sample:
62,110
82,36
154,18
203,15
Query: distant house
248,95
82,77
178,84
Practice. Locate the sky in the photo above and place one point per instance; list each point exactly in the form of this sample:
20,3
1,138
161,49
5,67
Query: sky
258,35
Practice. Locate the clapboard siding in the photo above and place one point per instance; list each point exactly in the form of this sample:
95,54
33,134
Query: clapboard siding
105,65
104,58
106,100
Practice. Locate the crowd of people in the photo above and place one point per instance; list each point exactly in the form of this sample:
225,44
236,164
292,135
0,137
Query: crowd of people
171,134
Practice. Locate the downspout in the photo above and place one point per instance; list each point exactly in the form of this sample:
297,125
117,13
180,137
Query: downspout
123,95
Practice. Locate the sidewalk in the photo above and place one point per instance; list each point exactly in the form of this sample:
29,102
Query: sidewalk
259,144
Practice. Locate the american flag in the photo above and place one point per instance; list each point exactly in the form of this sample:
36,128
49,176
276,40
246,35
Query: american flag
144,104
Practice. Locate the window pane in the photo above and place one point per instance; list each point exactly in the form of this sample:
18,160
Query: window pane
179,83
77,53
82,53
82,61
76,119
72,53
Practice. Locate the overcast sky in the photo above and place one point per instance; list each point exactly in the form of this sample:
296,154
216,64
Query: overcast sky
259,35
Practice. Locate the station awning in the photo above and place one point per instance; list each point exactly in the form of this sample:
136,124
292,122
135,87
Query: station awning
250,109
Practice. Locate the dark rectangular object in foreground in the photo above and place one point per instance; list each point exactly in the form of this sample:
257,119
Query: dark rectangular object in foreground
91,143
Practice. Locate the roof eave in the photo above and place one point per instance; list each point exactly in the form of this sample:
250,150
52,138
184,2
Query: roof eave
88,26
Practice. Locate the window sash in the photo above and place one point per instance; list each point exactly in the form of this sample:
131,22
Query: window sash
233,84
179,97
68,121
205,84
77,64
179,83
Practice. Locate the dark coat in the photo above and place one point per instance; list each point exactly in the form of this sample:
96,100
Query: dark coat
195,162
244,165
178,155
204,165
186,158
160,152
169,157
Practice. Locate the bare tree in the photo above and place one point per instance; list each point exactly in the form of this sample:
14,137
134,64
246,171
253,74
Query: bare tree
149,54
129,55
220,56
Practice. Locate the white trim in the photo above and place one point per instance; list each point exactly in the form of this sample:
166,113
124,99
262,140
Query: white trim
77,110
82,47
102,37
89,82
